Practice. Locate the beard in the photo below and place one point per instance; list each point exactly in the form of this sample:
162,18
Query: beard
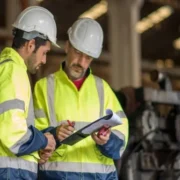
76,71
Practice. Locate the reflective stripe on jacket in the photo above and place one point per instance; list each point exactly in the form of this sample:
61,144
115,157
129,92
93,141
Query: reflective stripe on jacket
18,137
57,99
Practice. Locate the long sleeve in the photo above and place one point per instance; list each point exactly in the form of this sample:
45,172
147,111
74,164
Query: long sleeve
112,147
116,145
41,109
41,105
17,134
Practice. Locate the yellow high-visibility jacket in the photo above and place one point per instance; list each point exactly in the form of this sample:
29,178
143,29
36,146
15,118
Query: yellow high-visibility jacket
18,137
56,100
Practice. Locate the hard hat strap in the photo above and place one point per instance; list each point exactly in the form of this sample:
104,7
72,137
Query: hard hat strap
28,35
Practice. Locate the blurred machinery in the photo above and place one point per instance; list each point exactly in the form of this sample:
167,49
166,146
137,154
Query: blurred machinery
154,141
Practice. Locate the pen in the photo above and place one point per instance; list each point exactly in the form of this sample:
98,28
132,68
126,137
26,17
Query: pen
70,123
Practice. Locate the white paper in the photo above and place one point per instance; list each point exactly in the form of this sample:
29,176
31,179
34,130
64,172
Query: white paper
113,121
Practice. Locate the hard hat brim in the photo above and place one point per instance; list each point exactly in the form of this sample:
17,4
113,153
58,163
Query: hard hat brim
56,45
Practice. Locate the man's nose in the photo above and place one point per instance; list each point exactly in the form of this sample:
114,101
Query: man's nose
44,61
82,60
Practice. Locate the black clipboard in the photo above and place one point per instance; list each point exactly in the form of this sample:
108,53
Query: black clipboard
89,129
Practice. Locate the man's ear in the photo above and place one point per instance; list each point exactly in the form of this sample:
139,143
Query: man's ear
66,47
31,46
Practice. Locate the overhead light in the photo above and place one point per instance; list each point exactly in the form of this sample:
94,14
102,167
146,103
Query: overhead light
176,43
153,18
39,1
96,11
143,25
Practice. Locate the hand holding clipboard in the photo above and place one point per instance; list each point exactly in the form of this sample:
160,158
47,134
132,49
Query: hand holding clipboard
111,119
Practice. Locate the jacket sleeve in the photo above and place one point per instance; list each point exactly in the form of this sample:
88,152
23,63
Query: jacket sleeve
41,109
116,145
16,134
41,105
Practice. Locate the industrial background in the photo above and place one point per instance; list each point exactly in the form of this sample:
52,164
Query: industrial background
141,58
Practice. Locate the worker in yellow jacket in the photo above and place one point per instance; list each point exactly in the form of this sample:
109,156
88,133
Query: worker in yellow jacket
34,31
74,93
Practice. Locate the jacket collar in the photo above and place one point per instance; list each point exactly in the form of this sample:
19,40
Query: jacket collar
10,53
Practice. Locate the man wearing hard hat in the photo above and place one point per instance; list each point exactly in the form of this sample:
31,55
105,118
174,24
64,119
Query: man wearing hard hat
74,93
34,31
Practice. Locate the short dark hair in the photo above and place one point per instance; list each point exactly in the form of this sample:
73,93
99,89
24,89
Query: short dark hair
18,41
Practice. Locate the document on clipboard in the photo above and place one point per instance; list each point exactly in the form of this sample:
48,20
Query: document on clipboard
110,119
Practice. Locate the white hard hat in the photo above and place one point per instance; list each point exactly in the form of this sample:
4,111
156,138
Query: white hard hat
86,35
37,22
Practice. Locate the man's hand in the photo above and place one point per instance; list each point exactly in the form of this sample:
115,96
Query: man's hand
64,130
51,142
44,156
101,139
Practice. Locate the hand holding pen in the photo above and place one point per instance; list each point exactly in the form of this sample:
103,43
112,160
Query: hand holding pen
71,123
102,136
65,130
